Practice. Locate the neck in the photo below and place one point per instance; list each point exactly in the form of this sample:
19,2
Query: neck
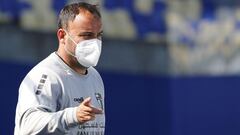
71,62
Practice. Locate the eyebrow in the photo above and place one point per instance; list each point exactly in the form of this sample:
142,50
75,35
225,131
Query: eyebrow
86,32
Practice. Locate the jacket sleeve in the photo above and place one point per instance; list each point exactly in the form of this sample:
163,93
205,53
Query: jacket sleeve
38,109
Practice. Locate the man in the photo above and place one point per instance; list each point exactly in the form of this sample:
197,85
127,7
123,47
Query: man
64,94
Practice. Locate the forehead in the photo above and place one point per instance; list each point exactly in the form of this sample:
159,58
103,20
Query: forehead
85,21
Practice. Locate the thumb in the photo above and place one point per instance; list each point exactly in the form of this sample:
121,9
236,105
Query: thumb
87,101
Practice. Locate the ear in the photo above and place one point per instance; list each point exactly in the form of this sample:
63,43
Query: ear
61,34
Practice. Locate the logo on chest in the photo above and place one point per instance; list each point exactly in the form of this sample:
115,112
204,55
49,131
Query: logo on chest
99,99
78,100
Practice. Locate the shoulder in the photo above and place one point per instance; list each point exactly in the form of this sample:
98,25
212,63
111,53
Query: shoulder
47,69
92,71
41,79
95,75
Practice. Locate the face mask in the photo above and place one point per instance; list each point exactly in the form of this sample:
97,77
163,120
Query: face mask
87,52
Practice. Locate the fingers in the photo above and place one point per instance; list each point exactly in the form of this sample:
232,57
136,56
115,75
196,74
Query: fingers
86,111
97,110
86,116
87,107
93,110
87,101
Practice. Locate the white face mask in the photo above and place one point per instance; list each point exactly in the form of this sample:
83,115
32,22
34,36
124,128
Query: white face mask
87,52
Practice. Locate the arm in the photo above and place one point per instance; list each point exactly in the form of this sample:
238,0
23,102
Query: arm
40,121
38,106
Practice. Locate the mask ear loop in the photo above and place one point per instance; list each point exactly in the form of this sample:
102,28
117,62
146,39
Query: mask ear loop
65,47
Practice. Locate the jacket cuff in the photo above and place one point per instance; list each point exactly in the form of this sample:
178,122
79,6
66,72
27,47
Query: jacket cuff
71,117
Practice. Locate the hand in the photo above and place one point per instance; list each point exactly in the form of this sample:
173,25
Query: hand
86,112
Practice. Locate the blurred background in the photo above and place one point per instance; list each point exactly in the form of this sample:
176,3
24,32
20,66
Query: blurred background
170,67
